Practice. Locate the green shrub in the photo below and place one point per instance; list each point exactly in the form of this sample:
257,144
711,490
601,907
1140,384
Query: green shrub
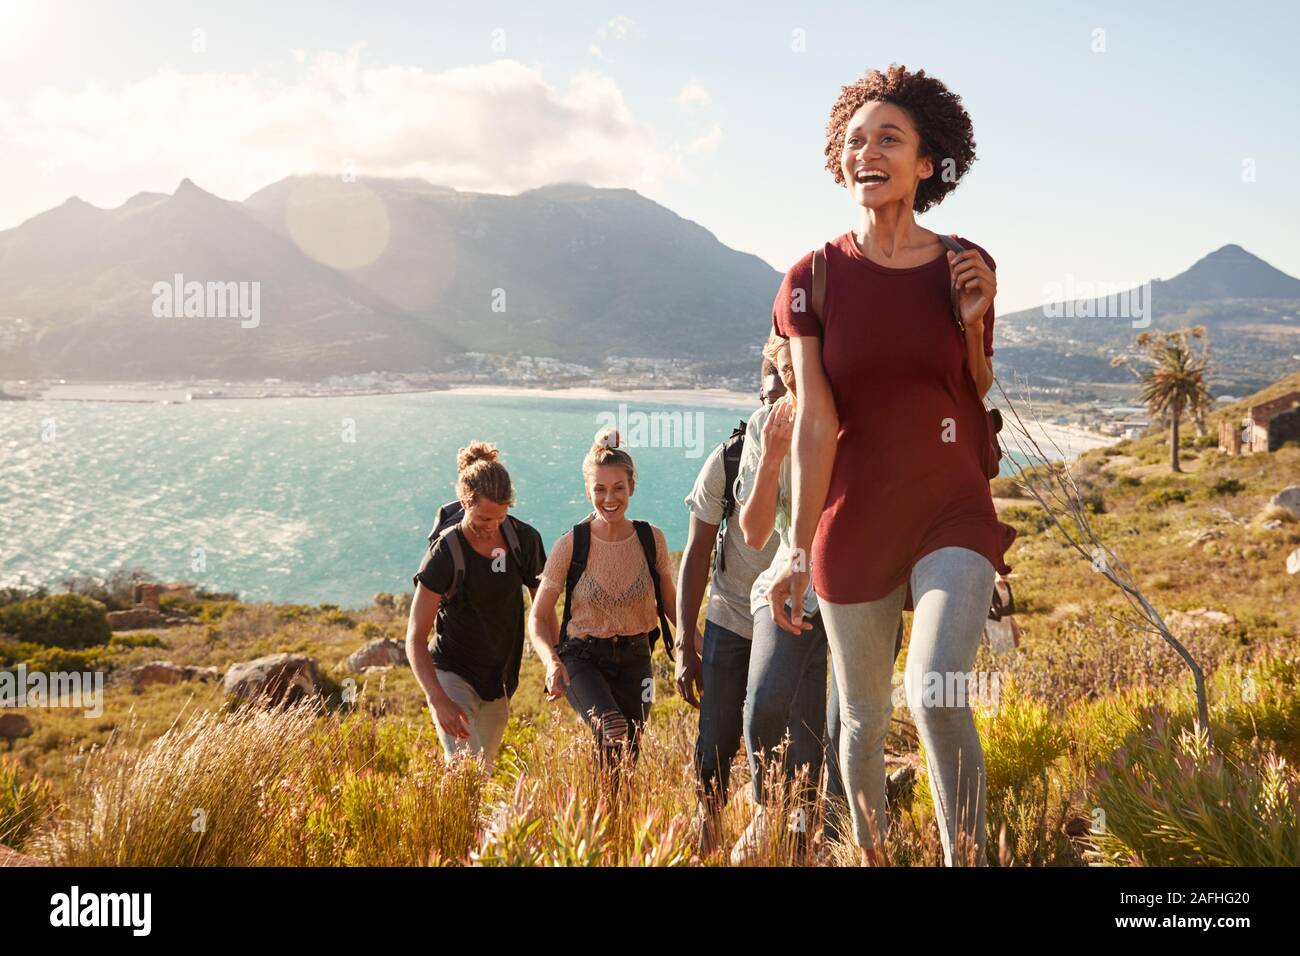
1163,497
211,612
23,805
59,620
60,659
1006,487
1026,520
1170,799
1225,486
1020,739
135,640
13,653
293,612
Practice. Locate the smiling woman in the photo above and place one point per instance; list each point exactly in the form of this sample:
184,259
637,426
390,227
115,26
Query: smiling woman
618,582
892,506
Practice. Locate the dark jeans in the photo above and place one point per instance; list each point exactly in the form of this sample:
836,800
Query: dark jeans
611,687
724,672
787,687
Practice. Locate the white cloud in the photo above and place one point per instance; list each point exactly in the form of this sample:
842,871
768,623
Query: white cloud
496,127
617,29
694,96
708,143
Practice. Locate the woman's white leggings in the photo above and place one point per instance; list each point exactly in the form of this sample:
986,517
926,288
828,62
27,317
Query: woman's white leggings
951,591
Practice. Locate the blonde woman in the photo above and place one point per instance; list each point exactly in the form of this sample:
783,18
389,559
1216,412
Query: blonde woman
619,583
480,559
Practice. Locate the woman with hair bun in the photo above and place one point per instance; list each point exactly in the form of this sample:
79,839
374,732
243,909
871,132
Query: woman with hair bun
480,559
619,583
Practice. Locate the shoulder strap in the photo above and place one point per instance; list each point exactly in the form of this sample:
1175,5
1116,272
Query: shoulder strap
732,449
952,245
647,536
577,565
512,541
819,282
452,541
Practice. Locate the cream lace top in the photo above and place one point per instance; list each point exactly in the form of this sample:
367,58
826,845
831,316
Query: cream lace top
614,595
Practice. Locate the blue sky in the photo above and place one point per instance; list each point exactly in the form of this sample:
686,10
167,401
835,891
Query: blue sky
1109,165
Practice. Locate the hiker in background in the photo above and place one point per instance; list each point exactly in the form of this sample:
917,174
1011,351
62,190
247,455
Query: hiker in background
770,385
893,448
470,583
617,580
786,696
712,668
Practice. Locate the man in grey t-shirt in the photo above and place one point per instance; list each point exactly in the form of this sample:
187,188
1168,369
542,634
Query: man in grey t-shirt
717,663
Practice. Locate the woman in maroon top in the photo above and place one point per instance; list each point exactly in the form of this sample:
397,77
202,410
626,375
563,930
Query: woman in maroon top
892,507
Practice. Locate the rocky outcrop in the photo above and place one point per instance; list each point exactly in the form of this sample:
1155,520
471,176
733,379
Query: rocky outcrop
274,679
1288,498
13,726
1200,619
165,672
1293,562
382,652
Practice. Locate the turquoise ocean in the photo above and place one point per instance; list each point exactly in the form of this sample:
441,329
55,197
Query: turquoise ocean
312,500
308,500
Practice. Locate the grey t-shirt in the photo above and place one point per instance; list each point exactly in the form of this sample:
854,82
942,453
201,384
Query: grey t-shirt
729,593
745,486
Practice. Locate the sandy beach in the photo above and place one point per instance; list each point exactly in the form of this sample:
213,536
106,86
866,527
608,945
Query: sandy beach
714,397
1070,439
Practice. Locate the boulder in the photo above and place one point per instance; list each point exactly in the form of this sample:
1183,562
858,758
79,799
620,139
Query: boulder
165,672
1293,562
13,726
274,679
1202,618
136,619
1200,537
1288,498
381,652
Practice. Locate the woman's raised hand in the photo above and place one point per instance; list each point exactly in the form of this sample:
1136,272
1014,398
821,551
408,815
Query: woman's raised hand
778,430
973,284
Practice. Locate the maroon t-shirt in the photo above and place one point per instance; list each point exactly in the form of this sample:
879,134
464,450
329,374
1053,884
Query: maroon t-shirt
907,478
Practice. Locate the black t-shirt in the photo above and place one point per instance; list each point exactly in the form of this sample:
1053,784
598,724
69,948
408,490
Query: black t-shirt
481,630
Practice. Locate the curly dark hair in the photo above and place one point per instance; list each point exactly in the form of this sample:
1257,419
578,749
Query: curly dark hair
943,123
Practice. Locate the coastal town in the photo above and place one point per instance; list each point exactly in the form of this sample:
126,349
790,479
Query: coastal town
1106,410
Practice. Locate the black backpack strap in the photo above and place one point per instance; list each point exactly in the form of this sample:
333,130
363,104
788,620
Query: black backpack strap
732,449
512,542
452,541
577,565
647,536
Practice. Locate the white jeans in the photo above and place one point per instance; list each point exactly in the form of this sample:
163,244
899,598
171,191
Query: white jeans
487,720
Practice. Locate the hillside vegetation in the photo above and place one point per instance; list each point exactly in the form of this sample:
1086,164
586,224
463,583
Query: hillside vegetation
1090,749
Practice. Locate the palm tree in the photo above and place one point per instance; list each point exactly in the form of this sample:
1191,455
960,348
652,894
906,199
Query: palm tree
1175,382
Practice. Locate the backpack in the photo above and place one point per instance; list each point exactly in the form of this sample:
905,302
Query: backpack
732,449
578,564
444,526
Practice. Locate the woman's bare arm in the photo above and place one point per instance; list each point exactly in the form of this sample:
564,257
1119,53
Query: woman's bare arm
816,430
543,625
